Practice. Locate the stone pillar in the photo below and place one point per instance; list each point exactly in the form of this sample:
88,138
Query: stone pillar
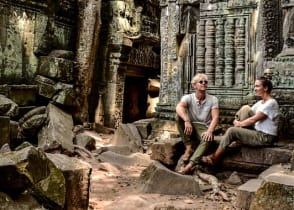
170,80
220,52
229,51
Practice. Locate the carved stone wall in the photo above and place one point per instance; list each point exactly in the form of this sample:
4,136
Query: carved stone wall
220,46
235,42
131,35
22,25
281,69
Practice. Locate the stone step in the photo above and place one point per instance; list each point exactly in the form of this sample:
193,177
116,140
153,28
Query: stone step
255,160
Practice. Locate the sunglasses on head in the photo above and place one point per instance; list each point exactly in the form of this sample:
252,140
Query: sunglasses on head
203,82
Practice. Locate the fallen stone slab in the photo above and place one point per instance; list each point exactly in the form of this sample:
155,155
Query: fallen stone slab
32,170
128,134
77,174
157,178
58,131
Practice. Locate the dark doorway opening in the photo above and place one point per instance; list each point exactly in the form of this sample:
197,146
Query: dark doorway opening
135,99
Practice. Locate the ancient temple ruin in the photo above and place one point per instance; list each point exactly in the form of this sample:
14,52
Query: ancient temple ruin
102,74
233,42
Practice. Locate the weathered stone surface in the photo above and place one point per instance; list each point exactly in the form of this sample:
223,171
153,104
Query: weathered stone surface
277,192
59,69
8,169
246,192
65,94
58,130
8,107
23,95
292,161
167,152
30,168
46,86
89,21
59,92
86,141
144,127
156,178
256,159
125,160
77,174
127,134
4,130
278,168
23,202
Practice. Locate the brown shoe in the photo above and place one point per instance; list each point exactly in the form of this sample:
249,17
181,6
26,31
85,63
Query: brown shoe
208,160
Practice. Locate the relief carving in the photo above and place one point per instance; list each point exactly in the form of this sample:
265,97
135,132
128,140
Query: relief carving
288,28
126,18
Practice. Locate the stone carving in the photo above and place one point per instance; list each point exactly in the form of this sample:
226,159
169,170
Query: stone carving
143,55
8,107
200,54
288,28
219,52
240,52
126,17
271,27
229,51
210,50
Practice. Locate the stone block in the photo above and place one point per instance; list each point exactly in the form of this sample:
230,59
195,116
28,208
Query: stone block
277,192
58,68
156,178
256,159
274,169
58,131
46,86
127,134
23,95
167,152
77,174
4,130
144,128
245,193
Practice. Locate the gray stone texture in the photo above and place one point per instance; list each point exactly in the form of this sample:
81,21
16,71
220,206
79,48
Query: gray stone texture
156,178
58,130
77,174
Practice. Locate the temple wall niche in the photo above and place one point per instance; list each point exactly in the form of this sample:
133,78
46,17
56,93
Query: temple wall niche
22,26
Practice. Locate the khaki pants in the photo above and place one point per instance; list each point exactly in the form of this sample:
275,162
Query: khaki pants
246,136
194,139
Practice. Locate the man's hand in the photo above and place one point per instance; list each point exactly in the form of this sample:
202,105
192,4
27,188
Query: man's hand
188,128
207,136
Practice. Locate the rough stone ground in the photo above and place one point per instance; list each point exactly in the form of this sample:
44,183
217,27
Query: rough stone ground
114,188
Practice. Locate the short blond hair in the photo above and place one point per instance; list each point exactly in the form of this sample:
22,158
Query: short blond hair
198,77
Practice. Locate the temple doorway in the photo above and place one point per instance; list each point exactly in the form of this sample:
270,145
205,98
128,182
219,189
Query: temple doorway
135,99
